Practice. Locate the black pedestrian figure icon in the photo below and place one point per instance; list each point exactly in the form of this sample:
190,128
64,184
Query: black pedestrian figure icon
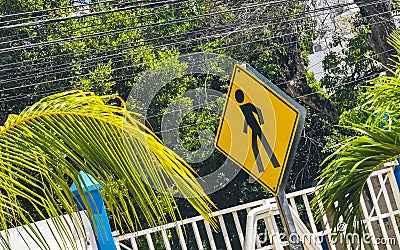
249,111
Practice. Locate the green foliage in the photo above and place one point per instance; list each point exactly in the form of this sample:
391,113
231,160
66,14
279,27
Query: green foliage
347,70
376,141
315,84
98,80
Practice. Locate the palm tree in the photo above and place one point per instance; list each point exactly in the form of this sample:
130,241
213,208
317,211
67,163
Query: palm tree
43,149
376,142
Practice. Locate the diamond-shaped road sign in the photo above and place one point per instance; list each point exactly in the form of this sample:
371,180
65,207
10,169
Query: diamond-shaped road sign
260,127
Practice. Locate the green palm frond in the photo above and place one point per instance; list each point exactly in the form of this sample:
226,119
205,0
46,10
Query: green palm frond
43,149
377,142
349,167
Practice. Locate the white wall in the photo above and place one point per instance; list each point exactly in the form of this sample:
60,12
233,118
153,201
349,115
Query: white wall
81,235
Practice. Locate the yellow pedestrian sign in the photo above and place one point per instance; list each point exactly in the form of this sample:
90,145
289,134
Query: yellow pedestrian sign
260,127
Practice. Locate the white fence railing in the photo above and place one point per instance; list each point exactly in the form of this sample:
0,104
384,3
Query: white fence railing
380,207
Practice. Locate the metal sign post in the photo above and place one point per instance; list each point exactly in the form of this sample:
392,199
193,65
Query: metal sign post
290,228
284,209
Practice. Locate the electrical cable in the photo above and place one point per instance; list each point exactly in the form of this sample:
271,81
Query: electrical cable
40,44
66,7
121,54
72,77
278,84
17,48
208,120
7,39
184,35
38,94
53,20
125,77
57,56
61,70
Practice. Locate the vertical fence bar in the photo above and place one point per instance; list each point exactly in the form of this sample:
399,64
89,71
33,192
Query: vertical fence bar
181,238
224,232
309,214
238,228
150,242
326,227
368,222
378,211
210,236
273,232
396,173
197,235
134,244
389,206
293,204
165,239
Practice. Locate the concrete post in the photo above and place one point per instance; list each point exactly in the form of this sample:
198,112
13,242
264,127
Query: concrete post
99,219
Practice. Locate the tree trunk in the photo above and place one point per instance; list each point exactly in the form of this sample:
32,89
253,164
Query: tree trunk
297,86
377,14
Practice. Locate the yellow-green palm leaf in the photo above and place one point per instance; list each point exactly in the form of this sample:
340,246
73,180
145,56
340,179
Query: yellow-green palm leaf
43,149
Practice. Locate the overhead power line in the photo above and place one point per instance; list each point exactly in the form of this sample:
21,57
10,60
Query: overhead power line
170,44
176,21
7,39
159,24
46,11
70,17
18,97
93,60
220,32
48,59
129,77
